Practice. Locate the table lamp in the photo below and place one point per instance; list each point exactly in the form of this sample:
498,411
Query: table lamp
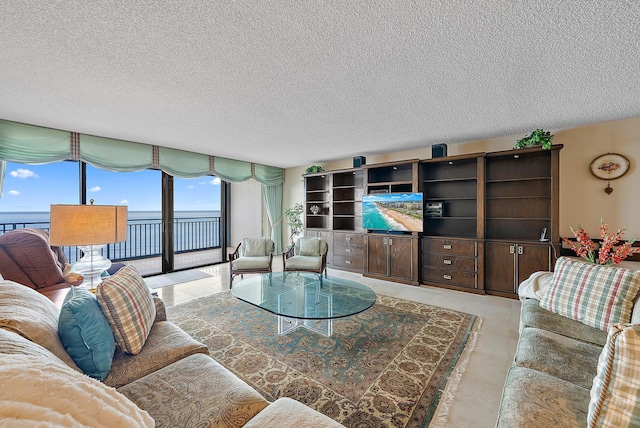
89,227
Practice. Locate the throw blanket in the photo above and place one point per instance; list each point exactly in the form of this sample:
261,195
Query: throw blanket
44,393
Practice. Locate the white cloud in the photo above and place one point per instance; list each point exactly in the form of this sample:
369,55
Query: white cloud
23,173
95,189
190,186
124,201
215,181
13,192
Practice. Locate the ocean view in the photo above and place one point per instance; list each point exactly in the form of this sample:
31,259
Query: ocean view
42,217
193,230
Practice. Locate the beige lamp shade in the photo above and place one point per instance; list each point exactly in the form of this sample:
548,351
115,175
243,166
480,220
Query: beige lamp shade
87,224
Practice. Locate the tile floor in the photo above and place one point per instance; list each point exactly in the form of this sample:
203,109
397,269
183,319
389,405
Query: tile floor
478,396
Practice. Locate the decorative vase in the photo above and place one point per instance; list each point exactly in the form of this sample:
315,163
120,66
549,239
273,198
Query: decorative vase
314,209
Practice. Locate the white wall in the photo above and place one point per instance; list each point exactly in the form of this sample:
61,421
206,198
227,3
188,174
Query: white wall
246,211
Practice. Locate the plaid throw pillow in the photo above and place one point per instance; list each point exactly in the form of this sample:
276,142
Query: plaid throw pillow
615,395
127,304
595,295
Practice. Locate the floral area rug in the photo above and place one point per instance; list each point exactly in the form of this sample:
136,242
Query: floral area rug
385,367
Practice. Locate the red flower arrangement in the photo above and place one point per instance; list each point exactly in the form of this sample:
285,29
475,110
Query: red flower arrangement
608,253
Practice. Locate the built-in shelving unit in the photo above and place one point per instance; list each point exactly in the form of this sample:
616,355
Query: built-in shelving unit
392,256
317,202
453,192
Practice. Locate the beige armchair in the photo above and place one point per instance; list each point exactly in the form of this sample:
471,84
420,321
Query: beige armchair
252,255
307,255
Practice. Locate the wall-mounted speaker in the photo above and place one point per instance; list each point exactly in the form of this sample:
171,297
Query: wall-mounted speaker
438,150
358,161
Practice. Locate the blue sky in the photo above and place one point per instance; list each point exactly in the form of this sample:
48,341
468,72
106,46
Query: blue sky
35,187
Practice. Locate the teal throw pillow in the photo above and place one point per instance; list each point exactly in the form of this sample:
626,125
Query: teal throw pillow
85,333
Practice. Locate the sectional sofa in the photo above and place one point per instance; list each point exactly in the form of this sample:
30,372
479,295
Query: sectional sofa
170,382
565,371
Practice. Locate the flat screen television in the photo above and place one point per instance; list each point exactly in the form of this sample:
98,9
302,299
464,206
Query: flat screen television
396,212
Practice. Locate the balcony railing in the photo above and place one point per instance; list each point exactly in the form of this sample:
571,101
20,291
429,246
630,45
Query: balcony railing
144,237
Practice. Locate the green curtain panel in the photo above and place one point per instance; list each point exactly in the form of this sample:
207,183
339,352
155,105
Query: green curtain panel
269,175
273,202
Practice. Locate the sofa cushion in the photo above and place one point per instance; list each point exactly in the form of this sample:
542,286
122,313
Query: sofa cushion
532,315
533,399
559,356
37,393
167,343
195,391
254,247
33,316
128,305
85,333
616,388
14,344
286,412
595,295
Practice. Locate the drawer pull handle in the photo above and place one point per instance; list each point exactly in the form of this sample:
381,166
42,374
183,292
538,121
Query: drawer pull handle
446,276
447,262
347,250
348,262
446,246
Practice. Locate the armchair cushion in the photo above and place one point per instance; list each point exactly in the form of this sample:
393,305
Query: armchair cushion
254,247
309,247
304,263
85,333
246,263
128,305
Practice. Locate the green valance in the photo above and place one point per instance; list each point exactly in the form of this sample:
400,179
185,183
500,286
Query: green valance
180,163
115,155
22,143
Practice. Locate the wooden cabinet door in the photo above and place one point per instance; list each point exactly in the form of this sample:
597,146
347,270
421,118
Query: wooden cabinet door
500,267
377,256
505,270
400,257
534,258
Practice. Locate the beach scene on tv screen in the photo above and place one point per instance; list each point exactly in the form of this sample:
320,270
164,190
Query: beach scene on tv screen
392,211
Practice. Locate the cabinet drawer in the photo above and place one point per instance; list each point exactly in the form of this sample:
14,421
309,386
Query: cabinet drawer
348,240
450,277
349,251
355,263
449,246
447,262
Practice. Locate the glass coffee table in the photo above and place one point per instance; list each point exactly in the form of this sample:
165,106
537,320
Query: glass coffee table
302,299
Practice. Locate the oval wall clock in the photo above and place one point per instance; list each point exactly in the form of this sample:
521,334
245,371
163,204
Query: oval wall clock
610,166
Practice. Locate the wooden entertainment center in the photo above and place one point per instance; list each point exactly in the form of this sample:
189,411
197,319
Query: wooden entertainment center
489,219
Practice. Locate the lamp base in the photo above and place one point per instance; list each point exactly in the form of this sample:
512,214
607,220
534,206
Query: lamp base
91,266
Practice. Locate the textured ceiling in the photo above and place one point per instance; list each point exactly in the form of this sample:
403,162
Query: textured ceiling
290,83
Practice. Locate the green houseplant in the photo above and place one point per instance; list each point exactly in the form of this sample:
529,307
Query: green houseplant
313,169
294,217
537,137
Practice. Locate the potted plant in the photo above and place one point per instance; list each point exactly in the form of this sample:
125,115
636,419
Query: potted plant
295,220
538,137
313,169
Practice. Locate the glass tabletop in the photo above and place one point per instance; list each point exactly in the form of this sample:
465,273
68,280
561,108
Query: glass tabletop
305,295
